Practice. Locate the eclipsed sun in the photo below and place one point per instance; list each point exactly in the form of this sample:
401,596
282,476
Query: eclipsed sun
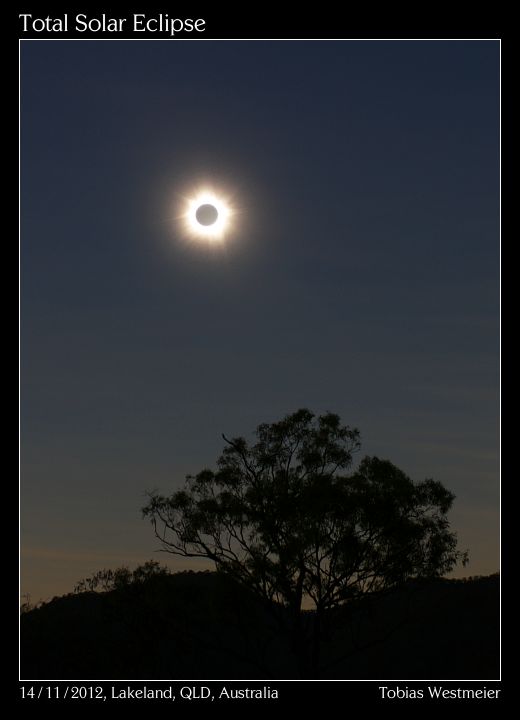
207,216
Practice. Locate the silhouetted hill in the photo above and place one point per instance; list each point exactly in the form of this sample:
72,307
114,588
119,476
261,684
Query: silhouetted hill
203,626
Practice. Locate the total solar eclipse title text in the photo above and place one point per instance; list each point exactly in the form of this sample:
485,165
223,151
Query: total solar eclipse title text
161,24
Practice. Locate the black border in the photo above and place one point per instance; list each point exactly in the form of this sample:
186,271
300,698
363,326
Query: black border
254,23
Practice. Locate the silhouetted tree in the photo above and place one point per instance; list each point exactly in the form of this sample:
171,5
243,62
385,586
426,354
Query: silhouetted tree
122,577
283,518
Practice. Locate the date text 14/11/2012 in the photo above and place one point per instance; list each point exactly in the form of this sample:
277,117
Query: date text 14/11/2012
161,23
186,692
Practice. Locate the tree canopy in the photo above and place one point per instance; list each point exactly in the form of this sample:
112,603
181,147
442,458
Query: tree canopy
284,516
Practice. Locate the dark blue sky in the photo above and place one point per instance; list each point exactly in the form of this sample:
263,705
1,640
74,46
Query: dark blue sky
362,276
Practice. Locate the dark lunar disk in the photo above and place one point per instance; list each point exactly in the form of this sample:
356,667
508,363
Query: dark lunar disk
206,214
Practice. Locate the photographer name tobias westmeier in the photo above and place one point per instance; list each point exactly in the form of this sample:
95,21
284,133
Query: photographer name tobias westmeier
437,692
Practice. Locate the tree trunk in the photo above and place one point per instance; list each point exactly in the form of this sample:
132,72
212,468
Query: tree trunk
301,647
316,644
307,645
